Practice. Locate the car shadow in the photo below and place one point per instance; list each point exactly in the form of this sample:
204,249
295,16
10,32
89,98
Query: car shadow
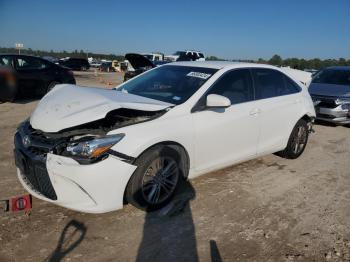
23,101
214,252
71,236
169,233
324,123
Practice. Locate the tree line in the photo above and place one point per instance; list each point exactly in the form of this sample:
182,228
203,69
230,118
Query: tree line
62,54
297,63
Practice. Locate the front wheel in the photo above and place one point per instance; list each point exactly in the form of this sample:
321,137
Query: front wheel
297,141
154,181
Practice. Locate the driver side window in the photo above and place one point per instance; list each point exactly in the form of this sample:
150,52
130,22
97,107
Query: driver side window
236,85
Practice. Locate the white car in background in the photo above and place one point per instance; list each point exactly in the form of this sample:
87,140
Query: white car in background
92,149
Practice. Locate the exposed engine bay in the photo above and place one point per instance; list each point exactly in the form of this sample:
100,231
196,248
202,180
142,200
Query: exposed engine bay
63,142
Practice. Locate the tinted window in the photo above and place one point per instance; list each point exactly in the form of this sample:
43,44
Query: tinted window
235,85
6,61
30,63
271,83
333,76
290,86
172,84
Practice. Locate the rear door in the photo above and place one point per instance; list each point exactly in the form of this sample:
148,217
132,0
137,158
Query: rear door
33,75
279,108
224,136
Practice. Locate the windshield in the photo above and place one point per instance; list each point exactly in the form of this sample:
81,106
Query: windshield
333,76
149,57
180,53
171,84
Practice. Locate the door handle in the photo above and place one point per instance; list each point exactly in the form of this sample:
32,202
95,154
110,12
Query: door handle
255,112
297,101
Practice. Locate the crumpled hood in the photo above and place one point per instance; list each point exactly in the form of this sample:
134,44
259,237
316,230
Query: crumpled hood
70,105
329,90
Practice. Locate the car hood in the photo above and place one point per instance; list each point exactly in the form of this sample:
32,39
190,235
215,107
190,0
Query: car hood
70,105
138,61
329,90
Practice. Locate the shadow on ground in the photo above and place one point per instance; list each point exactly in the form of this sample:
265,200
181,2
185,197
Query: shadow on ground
71,236
169,234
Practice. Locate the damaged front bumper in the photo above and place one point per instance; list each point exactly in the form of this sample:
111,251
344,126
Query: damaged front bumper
92,188
337,115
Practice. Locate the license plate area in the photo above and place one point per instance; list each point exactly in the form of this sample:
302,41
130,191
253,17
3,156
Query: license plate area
15,204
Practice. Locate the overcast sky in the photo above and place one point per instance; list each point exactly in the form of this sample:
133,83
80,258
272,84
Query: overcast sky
227,29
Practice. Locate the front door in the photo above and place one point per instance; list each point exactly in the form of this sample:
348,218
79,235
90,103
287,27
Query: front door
224,136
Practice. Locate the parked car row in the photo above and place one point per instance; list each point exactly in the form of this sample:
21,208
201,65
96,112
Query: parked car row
79,64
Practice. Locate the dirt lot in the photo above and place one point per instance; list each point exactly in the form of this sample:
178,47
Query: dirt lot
269,209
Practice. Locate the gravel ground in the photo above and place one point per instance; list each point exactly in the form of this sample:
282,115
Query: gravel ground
269,209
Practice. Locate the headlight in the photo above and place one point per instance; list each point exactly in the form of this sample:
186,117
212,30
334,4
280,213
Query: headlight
345,106
341,101
94,147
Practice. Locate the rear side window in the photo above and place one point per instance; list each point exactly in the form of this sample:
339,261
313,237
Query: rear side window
6,61
271,83
30,63
236,85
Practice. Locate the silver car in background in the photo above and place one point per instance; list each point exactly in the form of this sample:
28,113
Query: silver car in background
330,92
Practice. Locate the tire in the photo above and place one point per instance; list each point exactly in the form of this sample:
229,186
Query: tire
151,186
297,141
51,86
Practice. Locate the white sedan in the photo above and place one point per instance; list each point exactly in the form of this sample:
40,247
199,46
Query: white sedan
93,150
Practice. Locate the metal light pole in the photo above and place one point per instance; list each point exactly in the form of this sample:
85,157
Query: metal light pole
19,46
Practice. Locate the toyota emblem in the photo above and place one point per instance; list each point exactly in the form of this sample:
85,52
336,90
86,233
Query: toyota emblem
26,141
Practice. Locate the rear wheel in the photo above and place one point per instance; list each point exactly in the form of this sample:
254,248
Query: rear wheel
297,141
154,181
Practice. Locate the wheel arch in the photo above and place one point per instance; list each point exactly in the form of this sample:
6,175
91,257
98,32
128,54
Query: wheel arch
184,165
184,156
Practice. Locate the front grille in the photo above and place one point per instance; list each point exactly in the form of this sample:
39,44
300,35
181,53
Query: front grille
31,160
325,101
39,144
35,174
325,116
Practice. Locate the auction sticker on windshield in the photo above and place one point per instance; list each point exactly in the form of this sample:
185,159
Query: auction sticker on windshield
199,75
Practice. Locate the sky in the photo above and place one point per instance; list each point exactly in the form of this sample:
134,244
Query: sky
247,29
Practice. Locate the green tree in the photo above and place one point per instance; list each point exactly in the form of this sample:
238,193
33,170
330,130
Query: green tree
276,60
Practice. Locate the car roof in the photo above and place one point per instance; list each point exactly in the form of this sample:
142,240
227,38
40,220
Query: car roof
344,68
220,64
12,54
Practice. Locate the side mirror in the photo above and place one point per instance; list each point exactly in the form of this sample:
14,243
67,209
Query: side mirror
217,101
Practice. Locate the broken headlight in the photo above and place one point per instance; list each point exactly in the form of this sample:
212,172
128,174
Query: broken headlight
92,147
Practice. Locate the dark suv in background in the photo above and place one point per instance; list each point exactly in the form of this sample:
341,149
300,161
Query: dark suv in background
24,75
79,64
